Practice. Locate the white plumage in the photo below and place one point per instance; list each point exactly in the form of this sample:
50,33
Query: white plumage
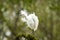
31,19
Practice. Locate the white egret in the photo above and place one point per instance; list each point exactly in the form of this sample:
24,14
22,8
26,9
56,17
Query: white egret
31,19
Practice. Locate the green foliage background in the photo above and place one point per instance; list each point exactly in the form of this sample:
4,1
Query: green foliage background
48,12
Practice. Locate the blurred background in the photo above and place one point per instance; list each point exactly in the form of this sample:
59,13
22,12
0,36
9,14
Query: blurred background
48,12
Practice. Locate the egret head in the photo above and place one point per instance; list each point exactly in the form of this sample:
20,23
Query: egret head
23,13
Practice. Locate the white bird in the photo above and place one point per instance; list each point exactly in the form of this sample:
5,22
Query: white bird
31,20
